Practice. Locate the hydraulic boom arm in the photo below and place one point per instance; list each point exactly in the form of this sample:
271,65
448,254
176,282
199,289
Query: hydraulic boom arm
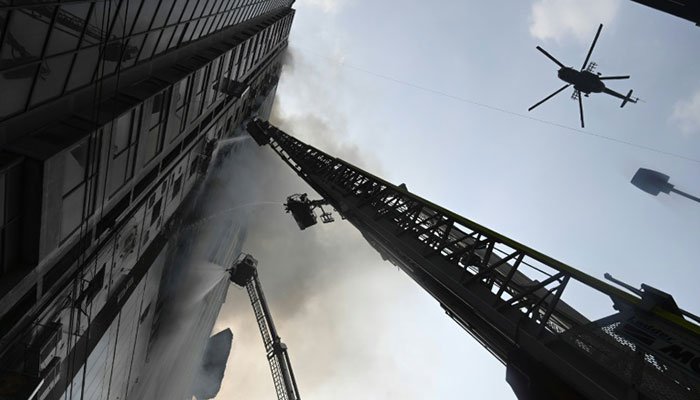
244,273
509,296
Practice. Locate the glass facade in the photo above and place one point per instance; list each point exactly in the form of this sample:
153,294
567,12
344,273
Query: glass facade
10,214
48,49
80,169
85,200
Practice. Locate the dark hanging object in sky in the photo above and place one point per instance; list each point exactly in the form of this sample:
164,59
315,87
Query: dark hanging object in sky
654,182
211,373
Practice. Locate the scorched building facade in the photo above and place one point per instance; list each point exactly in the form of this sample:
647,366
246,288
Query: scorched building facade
109,113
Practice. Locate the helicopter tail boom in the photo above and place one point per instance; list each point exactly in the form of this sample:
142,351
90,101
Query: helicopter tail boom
625,99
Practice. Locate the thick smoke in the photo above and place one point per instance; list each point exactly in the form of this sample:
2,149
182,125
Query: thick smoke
356,327
316,283
191,272
329,292
308,107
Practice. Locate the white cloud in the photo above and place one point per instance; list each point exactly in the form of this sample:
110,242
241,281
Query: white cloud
686,113
327,6
559,19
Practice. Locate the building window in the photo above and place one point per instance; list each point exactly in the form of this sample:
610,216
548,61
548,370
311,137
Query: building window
216,25
225,73
213,81
145,15
92,289
180,98
176,187
155,212
250,54
174,13
235,61
165,39
10,217
245,51
78,195
124,137
175,41
152,141
198,87
24,37
19,310
193,165
259,39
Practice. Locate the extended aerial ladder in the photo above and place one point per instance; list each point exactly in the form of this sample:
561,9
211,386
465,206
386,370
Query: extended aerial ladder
506,295
244,273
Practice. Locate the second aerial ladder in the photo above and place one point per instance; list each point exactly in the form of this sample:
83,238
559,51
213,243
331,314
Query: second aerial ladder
244,273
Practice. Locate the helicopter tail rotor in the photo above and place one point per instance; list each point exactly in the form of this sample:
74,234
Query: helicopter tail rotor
628,98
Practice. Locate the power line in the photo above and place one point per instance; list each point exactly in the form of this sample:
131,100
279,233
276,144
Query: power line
503,110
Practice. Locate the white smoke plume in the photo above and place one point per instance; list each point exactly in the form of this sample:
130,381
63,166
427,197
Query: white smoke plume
356,327
329,291
561,19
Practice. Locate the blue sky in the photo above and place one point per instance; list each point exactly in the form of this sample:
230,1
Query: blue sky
558,190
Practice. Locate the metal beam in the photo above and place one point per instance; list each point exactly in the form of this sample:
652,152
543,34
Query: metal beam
510,304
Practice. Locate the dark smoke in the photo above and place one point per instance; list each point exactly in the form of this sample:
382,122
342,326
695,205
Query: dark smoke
328,290
297,270
193,270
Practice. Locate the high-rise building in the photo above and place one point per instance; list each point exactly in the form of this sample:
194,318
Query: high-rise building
110,112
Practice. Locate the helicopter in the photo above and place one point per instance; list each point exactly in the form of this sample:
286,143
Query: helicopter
585,81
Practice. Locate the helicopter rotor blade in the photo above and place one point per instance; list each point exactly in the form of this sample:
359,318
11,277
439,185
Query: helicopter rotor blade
614,77
551,57
595,39
580,109
549,97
